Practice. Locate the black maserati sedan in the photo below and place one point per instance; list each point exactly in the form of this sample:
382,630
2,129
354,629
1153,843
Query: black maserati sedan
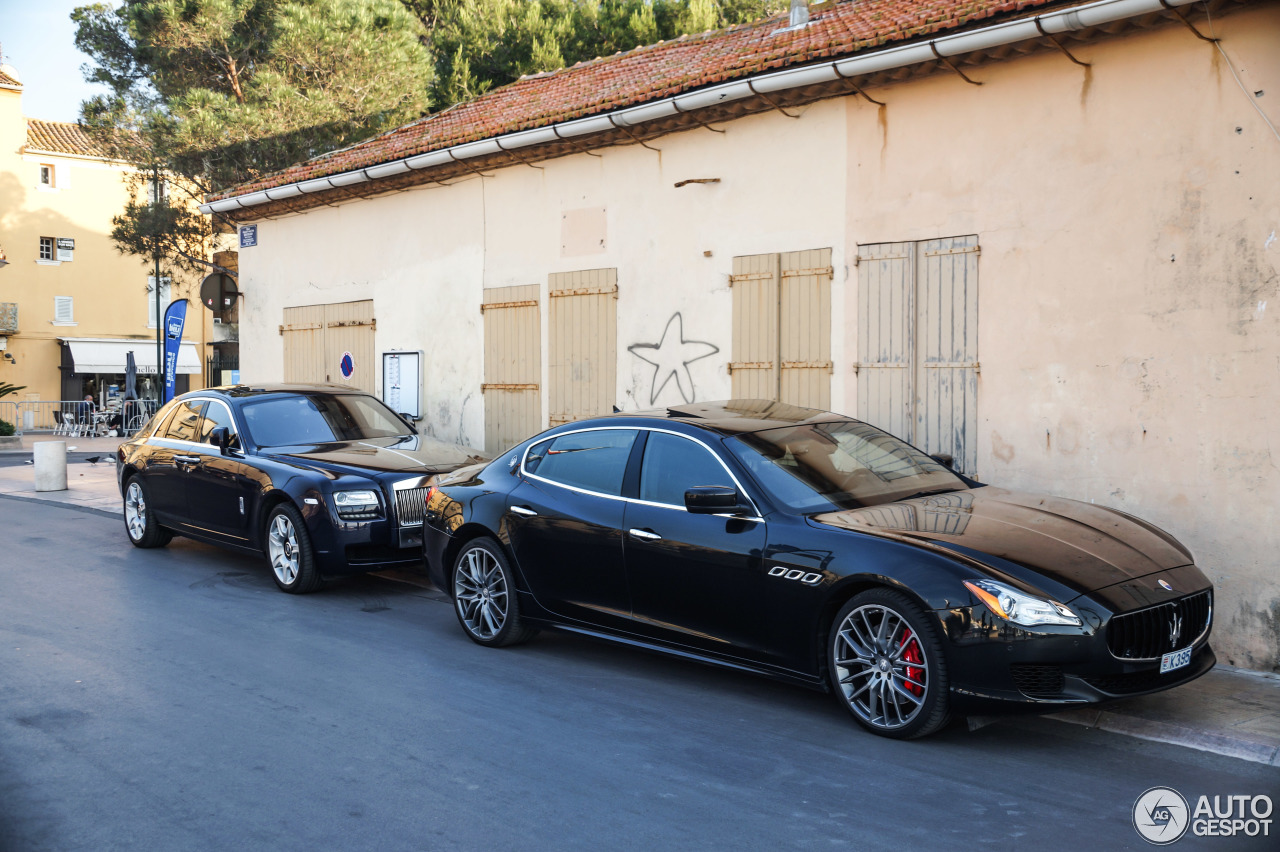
815,548
323,480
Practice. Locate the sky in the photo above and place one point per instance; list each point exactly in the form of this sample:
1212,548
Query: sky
38,39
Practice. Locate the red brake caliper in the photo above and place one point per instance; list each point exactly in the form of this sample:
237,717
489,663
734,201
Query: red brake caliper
911,654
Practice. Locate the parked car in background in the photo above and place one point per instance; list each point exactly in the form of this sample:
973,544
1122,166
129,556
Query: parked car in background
324,480
815,548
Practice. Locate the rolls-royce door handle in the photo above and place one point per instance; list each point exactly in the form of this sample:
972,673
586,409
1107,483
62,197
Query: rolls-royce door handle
181,459
524,510
644,535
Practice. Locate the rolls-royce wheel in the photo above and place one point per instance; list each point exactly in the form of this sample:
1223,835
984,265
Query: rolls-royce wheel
293,562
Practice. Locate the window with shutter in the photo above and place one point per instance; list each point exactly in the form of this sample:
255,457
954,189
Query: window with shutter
151,298
63,310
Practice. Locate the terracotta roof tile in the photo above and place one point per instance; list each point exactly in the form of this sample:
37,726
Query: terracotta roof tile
6,80
654,72
61,137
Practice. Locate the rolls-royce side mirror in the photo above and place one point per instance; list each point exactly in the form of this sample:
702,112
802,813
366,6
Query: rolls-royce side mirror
220,437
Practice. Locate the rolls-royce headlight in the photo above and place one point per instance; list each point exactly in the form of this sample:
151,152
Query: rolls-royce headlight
1019,607
356,505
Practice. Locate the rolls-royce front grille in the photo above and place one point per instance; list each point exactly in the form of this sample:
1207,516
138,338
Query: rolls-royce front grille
1157,630
411,505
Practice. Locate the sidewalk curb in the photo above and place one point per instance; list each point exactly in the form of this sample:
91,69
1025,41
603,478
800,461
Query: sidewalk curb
62,504
1168,732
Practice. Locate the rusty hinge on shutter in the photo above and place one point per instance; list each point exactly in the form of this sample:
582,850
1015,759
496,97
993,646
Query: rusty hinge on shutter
353,324
508,386
308,327
749,276
858,260
750,365
953,365
959,250
878,365
557,419
524,303
817,270
808,365
587,291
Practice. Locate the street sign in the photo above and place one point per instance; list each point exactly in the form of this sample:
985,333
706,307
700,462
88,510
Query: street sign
248,236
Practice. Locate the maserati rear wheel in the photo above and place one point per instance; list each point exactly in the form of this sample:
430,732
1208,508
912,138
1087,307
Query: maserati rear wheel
484,596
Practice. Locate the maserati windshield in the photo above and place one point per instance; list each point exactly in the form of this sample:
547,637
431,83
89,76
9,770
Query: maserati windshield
286,421
844,464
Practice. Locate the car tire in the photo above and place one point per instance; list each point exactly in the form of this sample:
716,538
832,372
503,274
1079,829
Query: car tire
485,598
887,665
139,521
289,551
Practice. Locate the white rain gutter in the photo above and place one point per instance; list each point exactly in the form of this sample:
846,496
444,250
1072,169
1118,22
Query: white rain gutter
1010,32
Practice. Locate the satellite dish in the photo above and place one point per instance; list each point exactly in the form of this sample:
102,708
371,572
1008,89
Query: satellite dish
218,291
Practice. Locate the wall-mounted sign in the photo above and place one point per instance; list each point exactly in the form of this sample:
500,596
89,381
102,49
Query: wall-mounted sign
66,248
347,366
248,236
402,382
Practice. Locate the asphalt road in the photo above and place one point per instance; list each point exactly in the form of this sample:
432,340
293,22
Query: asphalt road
174,700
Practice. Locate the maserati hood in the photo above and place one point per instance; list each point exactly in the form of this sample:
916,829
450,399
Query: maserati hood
1082,546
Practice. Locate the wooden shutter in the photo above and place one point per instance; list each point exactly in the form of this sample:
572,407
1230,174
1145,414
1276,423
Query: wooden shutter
805,328
754,369
303,333
512,365
583,322
918,343
349,327
317,336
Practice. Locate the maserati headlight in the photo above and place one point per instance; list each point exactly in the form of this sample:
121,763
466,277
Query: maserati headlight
1019,607
356,505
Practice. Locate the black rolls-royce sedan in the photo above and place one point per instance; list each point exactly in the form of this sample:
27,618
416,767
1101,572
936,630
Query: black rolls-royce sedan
324,480
818,549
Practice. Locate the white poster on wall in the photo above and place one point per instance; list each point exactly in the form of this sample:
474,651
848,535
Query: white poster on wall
402,382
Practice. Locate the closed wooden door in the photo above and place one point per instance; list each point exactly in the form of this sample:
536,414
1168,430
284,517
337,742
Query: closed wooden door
512,365
583,351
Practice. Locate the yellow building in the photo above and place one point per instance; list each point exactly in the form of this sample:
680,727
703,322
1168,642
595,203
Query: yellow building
72,306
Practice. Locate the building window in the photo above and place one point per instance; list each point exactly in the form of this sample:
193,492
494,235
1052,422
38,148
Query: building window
46,175
47,248
157,191
63,311
151,299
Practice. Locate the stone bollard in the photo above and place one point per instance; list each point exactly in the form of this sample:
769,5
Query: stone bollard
51,465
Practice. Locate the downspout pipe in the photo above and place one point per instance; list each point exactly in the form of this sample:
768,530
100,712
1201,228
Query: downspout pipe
1010,32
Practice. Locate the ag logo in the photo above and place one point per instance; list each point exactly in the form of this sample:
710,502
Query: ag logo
809,579
1160,816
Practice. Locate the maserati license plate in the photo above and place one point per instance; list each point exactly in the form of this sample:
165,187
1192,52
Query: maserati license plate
1175,660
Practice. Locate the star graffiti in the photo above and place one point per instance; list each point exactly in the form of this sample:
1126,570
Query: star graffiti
671,357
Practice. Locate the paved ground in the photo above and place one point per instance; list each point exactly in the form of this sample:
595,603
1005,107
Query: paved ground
1229,712
174,699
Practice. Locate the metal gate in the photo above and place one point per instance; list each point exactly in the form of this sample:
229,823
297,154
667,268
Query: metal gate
918,343
317,339
782,327
583,372
512,365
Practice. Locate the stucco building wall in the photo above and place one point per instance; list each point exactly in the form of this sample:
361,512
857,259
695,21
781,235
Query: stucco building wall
1128,356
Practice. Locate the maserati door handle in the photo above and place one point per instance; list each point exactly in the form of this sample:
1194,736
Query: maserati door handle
524,510
187,459
644,535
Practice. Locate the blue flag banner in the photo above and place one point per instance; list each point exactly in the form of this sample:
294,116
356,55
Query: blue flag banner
175,317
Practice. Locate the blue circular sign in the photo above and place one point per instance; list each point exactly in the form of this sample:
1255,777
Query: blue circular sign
347,365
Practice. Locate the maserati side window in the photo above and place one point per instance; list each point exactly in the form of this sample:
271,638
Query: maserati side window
673,465
593,461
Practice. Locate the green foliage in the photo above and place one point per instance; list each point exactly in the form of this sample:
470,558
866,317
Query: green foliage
481,44
6,388
222,91
6,428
